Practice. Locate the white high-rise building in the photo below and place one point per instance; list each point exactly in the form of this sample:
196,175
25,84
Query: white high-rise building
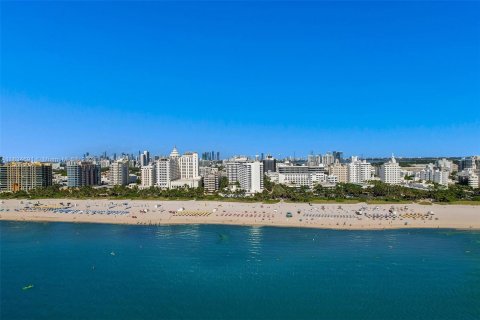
149,177
441,177
119,173
250,176
359,171
390,172
232,167
429,173
188,163
166,170
178,171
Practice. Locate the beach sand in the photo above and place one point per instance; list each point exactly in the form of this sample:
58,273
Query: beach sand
325,216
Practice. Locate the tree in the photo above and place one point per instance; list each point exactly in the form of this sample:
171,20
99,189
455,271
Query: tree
267,183
223,183
278,192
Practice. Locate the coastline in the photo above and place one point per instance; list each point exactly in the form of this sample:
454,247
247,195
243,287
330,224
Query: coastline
338,216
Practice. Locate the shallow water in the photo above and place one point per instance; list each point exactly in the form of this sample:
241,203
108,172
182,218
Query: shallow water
94,271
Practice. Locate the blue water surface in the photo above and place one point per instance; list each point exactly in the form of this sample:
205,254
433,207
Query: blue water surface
94,271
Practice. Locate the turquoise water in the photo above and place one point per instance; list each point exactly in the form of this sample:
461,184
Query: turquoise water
226,272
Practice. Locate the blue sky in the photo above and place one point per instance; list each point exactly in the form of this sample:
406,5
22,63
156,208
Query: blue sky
367,78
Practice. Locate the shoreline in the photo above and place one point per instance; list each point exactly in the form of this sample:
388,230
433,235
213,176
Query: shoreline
242,225
338,216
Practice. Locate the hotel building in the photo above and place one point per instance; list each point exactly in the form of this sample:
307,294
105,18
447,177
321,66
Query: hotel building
390,172
340,171
359,171
119,173
83,173
149,176
16,176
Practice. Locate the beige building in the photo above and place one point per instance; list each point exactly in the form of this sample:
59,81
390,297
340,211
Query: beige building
149,176
119,173
16,176
340,171
211,182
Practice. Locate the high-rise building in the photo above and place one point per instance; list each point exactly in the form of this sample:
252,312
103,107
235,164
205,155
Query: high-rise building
144,159
359,171
340,171
328,159
119,173
468,177
338,156
467,163
166,171
430,173
16,176
232,166
307,176
390,172
269,164
149,176
178,171
250,176
211,182
444,164
188,163
83,173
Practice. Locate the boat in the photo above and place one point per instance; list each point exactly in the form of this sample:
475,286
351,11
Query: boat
30,286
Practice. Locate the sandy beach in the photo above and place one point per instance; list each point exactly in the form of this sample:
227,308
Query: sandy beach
327,216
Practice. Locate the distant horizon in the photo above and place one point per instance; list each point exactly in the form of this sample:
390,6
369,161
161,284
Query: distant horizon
367,78
222,157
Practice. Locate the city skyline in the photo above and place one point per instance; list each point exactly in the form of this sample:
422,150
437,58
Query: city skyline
365,78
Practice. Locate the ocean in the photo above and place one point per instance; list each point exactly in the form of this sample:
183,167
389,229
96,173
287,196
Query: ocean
95,271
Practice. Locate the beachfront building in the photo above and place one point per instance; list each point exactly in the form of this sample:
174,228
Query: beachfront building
340,171
188,163
299,176
16,176
118,174
211,182
468,177
390,172
166,171
149,177
249,174
430,173
359,171
178,171
250,177
83,173
233,166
